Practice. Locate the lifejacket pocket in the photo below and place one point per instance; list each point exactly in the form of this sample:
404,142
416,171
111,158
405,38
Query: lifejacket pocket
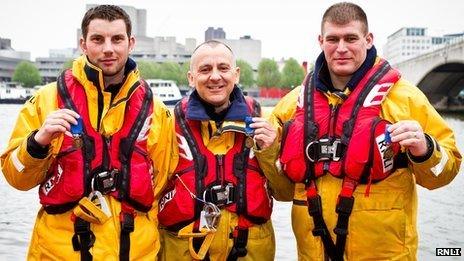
292,155
141,180
64,183
369,157
259,201
176,206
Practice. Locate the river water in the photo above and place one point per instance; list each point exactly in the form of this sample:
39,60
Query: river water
440,215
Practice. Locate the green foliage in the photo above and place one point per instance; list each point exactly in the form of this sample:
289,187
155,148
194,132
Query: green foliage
27,74
292,74
170,71
183,80
246,74
149,70
68,64
268,73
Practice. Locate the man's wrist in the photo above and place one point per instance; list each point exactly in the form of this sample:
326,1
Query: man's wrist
427,155
34,148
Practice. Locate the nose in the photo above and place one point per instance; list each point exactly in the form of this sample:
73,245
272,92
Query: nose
107,46
341,47
215,75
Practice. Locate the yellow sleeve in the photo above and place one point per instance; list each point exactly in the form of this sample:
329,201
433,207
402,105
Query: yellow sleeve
161,145
21,170
407,102
281,187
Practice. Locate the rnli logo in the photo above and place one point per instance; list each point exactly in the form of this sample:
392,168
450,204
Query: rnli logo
168,197
52,181
377,94
184,149
386,152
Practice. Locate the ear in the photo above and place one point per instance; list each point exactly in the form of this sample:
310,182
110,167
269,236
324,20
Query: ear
320,38
83,45
190,79
369,40
131,43
237,75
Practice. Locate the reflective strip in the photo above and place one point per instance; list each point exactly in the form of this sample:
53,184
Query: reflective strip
437,169
16,162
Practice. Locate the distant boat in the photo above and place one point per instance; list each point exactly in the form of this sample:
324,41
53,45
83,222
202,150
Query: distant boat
166,90
14,93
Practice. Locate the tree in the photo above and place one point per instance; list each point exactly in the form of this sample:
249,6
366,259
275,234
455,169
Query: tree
183,80
246,74
171,71
268,73
27,74
68,64
149,70
292,74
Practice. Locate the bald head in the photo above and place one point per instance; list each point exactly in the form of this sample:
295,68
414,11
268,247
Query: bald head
211,44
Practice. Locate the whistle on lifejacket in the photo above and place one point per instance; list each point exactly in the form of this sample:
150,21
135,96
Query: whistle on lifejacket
76,132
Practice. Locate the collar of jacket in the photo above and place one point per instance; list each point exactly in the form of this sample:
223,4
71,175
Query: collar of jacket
323,81
237,110
87,73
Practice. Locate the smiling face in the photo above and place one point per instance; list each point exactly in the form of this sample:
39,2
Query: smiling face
107,45
213,74
345,47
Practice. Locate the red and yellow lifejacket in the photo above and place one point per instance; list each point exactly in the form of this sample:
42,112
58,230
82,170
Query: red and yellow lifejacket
347,140
344,140
118,165
206,175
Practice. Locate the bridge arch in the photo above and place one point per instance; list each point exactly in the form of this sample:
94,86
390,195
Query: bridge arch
446,80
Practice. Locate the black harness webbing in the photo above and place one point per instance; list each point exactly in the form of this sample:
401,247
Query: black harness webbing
345,204
83,238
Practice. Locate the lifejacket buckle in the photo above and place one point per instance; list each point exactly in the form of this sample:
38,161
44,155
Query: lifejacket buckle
323,150
220,195
209,217
105,181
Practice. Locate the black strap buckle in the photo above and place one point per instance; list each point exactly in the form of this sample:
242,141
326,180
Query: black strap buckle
105,181
324,150
83,238
220,195
127,222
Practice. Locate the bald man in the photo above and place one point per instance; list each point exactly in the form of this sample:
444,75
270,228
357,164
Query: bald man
218,202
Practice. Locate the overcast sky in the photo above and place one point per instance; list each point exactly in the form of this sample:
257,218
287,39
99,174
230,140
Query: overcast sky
286,28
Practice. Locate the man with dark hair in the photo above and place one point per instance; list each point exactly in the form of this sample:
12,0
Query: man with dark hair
356,140
217,204
92,143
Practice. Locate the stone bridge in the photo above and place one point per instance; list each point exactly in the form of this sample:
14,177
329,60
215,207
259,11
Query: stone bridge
439,74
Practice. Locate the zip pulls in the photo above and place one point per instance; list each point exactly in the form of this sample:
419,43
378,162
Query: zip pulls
106,151
220,171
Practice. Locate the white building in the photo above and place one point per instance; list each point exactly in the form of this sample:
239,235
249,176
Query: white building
409,42
246,49
157,49
50,67
9,59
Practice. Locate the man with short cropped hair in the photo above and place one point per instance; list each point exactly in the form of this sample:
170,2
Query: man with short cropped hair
357,139
92,143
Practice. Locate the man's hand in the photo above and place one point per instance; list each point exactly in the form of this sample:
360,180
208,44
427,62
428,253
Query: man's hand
410,135
56,123
265,134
